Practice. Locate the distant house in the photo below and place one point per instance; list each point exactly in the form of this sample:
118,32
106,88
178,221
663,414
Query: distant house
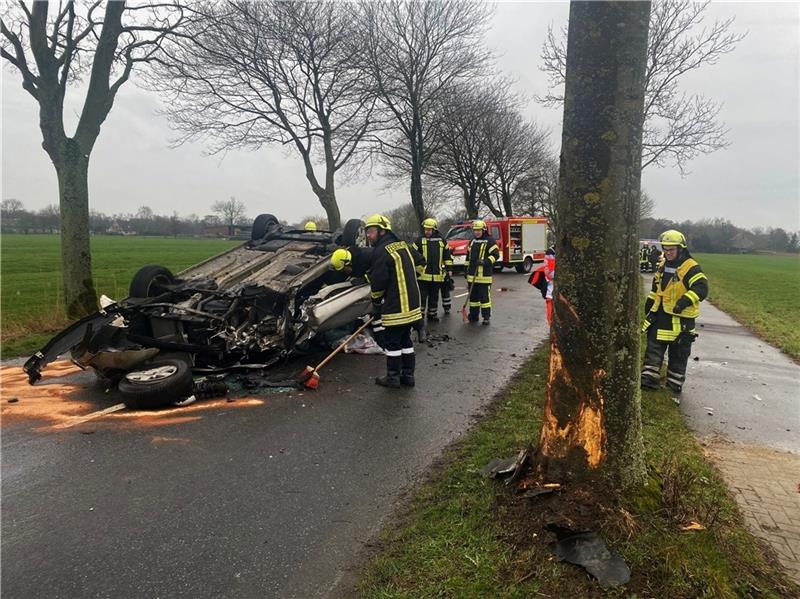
117,229
221,231
742,243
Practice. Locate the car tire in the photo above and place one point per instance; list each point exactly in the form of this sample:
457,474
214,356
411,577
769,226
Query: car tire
261,226
525,267
157,384
353,233
148,281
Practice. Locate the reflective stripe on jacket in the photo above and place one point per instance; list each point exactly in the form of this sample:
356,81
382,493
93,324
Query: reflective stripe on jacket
481,255
393,281
670,283
437,258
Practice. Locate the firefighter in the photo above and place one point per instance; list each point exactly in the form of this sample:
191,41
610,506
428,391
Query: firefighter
395,299
673,304
482,253
644,258
311,226
437,270
655,257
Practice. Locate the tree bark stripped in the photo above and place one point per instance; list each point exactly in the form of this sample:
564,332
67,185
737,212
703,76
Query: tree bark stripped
592,419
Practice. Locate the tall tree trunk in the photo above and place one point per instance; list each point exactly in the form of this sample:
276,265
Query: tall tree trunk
328,201
592,420
416,190
72,169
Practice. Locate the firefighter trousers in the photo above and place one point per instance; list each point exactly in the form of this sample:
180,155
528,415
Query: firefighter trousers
678,352
480,301
399,348
429,295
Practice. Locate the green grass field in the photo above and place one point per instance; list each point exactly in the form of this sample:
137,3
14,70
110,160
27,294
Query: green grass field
31,291
761,292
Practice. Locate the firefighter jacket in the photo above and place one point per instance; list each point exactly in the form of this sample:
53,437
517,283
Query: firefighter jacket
437,257
673,303
393,281
644,255
481,255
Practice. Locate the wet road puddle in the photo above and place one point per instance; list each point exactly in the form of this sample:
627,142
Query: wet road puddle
67,397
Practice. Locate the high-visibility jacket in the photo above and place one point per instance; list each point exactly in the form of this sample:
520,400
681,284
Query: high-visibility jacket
682,278
644,255
393,281
437,257
481,255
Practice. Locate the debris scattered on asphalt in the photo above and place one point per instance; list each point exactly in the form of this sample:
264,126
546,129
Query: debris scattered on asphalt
185,402
692,526
589,550
709,410
87,432
696,359
509,469
741,428
676,400
757,398
13,399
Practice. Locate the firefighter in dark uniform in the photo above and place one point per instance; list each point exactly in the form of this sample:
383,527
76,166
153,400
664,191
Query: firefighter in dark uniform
673,304
395,299
482,253
437,269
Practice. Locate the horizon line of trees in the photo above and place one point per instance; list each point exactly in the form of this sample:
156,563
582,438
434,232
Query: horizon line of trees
714,235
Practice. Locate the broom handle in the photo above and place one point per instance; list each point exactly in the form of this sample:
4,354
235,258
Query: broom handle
343,344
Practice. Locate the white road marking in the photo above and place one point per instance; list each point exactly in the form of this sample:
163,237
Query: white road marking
462,295
92,416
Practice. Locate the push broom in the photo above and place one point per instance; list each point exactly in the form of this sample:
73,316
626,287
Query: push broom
310,376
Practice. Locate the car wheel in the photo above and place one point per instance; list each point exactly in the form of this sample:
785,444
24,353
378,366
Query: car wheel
262,225
353,233
150,280
525,267
157,384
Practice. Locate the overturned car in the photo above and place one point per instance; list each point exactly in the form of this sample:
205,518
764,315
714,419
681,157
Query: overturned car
246,308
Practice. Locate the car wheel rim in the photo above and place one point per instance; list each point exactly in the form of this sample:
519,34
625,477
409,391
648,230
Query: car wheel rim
153,374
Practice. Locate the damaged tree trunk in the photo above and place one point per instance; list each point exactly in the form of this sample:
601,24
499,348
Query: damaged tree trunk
592,418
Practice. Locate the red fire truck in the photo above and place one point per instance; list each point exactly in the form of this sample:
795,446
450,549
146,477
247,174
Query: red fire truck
522,241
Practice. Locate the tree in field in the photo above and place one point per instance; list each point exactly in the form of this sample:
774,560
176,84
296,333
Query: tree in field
592,418
678,126
53,47
415,52
229,211
282,72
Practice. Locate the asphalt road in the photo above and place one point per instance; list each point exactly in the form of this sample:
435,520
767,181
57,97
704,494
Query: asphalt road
266,496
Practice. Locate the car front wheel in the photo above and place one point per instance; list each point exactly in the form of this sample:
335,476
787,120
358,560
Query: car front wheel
159,383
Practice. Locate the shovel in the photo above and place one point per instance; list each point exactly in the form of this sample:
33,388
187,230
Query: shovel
464,316
309,377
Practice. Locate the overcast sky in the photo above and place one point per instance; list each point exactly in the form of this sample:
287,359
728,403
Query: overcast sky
754,182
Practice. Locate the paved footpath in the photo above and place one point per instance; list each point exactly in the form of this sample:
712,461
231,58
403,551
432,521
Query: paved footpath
742,398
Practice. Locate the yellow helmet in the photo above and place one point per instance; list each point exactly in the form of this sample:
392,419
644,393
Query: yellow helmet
310,226
430,223
672,237
378,220
341,258
478,225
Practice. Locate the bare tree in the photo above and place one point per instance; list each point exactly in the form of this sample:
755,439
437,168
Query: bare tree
537,193
592,418
52,47
50,218
11,206
516,147
272,72
229,211
461,131
415,52
677,126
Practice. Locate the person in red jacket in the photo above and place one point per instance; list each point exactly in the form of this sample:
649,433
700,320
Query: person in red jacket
549,275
